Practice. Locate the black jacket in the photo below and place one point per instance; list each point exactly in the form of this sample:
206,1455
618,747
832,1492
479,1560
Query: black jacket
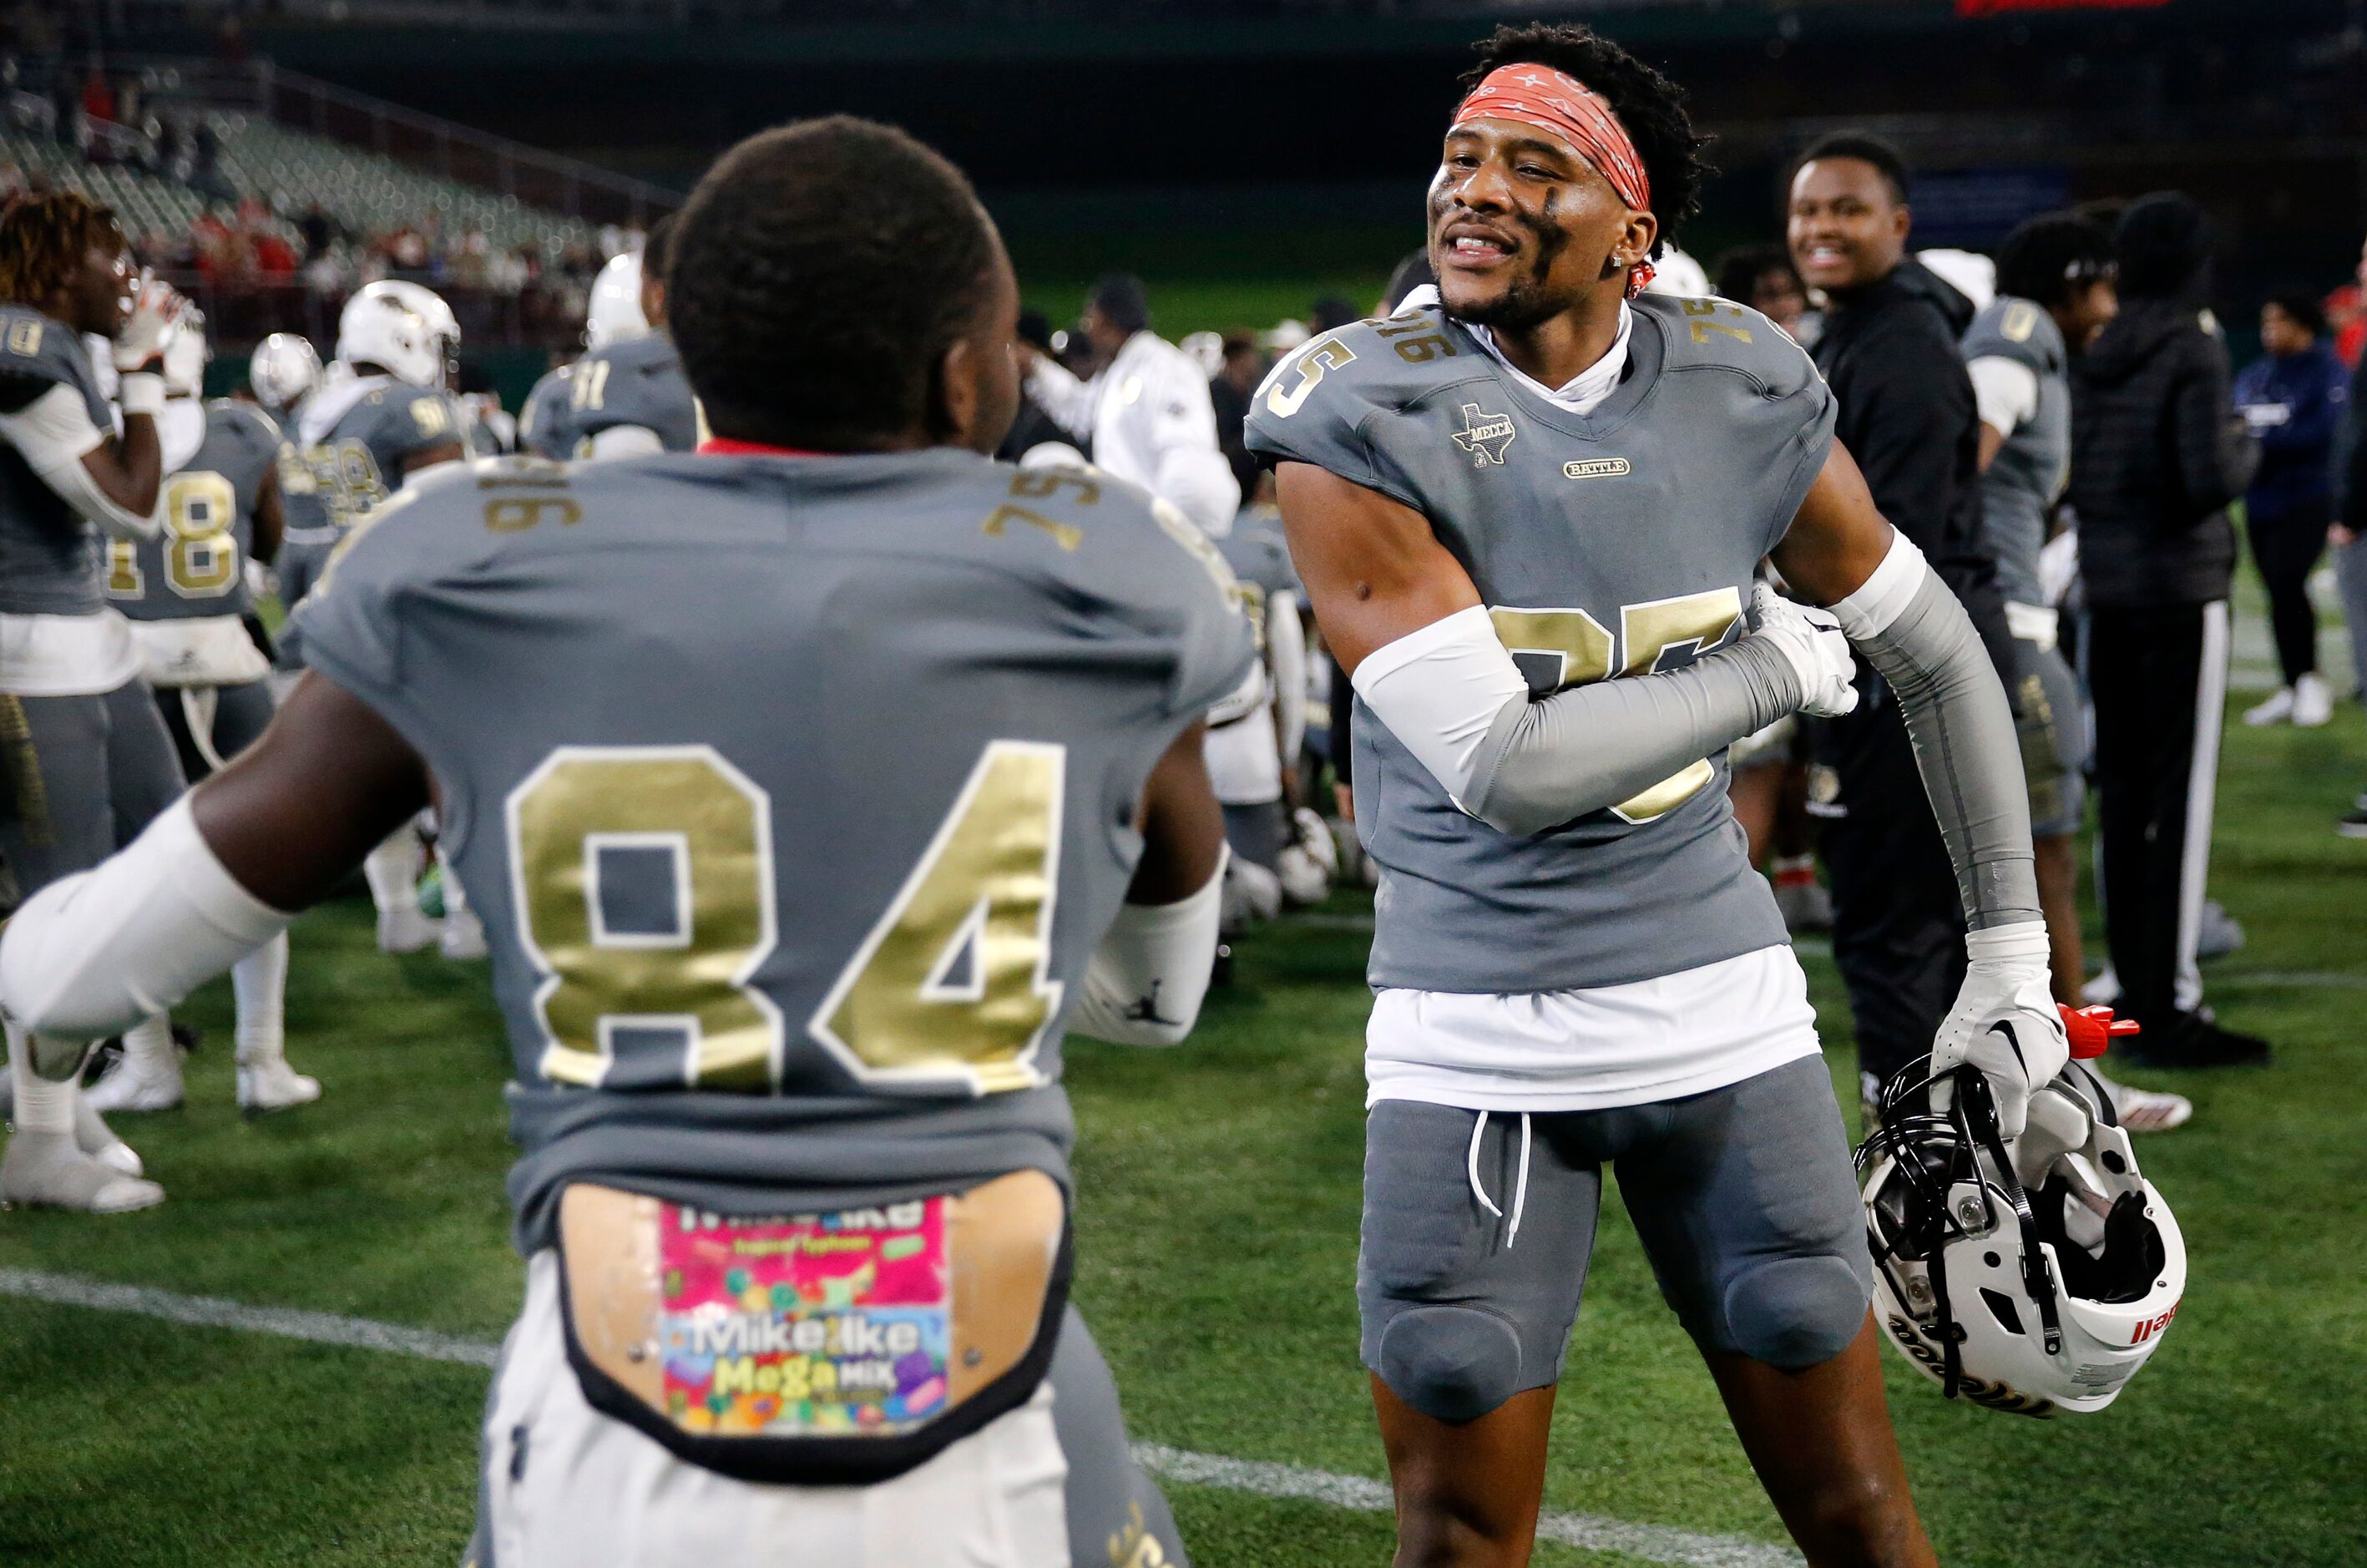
1907,415
2157,455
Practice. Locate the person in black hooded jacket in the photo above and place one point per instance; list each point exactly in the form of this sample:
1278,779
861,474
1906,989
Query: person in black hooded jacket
2157,453
1888,350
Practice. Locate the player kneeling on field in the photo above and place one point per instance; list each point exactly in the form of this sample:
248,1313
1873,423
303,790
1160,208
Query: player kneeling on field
795,1193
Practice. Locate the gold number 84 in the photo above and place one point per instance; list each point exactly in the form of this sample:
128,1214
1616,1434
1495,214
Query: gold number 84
905,1009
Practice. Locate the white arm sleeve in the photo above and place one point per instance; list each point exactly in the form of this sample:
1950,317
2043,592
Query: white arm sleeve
1147,979
1285,636
625,441
1452,695
54,433
1066,400
1915,633
92,954
2005,391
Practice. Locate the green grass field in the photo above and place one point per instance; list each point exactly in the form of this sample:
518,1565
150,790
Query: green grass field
1218,1215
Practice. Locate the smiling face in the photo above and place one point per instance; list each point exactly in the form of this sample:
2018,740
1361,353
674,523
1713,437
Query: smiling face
1847,227
1522,229
100,297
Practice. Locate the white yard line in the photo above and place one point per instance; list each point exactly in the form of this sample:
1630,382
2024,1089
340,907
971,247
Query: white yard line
1648,1543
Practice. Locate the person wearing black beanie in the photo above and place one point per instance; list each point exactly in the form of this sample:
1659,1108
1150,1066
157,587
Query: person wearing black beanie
2157,453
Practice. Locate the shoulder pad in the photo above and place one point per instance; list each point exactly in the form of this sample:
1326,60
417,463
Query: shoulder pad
1714,334
246,419
2008,328
1382,362
31,345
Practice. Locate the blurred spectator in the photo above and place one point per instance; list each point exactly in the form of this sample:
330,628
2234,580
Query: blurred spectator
1147,413
1907,415
1330,313
1763,278
207,175
98,98
2293,397
317,231
1228,392
2157,453
1412,272
1031,428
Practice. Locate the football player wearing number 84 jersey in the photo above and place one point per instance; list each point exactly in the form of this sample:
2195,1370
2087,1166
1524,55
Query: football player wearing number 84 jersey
795,1189
1528,508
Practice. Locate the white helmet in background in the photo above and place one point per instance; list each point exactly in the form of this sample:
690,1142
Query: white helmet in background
1205,349
185,357
1970,273
2026,1277
405,327
285,367
1676,273
616,312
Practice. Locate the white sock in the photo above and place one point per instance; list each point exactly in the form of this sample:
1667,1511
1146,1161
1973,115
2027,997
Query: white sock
148,1046
456,897
260,981
43,1105
392,870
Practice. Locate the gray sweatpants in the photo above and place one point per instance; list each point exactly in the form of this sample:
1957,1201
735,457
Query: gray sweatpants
1049,1482
1744,1198
82,776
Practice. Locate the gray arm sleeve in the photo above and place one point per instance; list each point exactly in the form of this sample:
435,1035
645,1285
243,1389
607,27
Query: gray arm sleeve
1546,762
1966,748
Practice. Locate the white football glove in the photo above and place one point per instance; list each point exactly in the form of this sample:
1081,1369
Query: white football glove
156,311
1811,641
2004,1023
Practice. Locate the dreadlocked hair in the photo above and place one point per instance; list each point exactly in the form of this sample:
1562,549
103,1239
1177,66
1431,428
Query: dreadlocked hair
44,240
1648,105
2049,256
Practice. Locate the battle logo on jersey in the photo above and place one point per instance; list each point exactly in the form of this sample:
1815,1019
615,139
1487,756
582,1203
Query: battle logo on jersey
1484,436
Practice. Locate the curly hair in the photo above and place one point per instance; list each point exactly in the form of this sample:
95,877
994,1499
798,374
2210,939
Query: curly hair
2046,257
44,240
1648,105
816,277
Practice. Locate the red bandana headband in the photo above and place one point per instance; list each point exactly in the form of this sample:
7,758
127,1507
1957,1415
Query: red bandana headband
1566,108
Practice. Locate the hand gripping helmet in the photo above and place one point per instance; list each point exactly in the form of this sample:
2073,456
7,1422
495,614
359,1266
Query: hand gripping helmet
615,311
284,369
2026,1277
406,329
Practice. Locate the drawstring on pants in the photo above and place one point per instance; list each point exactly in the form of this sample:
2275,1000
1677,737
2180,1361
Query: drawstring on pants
1520,1186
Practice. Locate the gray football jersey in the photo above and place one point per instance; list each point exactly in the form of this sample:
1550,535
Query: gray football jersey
1258,553
1616,543
48,552
2029,471
196,565
358,459
794,793
639,382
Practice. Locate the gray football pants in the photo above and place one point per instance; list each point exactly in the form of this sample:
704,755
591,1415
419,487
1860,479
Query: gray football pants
562,1484
82,776
1744,1198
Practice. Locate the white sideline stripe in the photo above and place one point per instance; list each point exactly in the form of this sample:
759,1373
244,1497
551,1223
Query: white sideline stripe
1650,1544
213,1312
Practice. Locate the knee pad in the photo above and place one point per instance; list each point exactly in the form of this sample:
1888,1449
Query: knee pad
1450,1363
1796,1312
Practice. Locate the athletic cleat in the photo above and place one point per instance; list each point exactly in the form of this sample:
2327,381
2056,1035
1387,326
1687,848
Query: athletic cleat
92,1136
129,1087
464,936
2102,991
2353,825
2277,709
2313,702
405,931
2146,1110
1806,907
44,1170
274,1085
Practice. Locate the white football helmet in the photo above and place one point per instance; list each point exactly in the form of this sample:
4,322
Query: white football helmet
616,312
406,328
2030,1276
186,355
1676,273
1205,349
285,367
